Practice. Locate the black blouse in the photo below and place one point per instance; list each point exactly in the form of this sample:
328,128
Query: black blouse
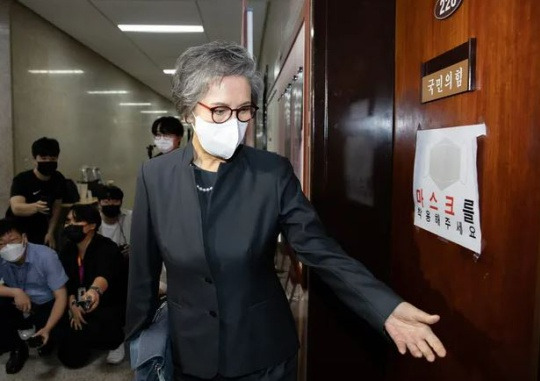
206,180
103,258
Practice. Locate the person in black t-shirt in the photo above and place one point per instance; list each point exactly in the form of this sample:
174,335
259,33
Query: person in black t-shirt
36,195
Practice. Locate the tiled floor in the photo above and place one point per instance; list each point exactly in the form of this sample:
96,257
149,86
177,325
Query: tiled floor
49,368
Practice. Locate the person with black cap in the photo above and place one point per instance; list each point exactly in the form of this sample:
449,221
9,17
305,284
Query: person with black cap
36,194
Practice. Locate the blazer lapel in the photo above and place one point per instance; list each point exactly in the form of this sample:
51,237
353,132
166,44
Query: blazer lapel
186,211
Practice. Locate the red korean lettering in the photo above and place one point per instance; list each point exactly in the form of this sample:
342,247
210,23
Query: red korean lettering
449,205
433,198
420,196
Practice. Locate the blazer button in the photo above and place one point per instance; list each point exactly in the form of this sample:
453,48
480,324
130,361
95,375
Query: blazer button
208,280
213,313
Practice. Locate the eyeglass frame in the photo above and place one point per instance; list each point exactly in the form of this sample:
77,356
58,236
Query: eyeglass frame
233,110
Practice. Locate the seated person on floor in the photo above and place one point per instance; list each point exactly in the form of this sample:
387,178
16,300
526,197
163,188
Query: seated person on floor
116,221
32,296
96,290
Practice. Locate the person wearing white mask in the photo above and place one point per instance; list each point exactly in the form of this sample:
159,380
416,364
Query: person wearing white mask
212,212
32,295
168,133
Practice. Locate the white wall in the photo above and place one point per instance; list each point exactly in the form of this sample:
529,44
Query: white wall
91,129
278,37
6,133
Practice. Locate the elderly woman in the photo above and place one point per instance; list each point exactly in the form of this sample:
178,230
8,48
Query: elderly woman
212,212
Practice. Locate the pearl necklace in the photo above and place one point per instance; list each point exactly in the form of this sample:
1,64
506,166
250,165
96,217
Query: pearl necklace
205,190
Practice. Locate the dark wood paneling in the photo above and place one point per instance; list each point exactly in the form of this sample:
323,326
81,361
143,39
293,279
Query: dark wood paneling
353,67
488,306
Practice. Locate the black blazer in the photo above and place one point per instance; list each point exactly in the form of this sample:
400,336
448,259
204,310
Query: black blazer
237,320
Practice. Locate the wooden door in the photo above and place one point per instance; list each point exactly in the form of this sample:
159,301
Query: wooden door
488,306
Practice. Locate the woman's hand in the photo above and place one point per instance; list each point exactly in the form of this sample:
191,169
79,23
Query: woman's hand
77,319
409,328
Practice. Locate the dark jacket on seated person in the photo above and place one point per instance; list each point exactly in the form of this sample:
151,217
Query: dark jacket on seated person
103,258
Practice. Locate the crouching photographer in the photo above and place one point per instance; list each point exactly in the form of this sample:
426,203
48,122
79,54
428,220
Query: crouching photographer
32,296
96,291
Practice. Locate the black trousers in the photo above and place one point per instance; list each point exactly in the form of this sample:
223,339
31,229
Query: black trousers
103,331
11,320
285,371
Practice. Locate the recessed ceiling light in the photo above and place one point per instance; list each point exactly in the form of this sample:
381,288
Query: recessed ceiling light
169,71
154,112
135,104
108,92
161,28
56,71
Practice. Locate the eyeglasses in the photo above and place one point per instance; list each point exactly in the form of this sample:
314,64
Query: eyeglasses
221,114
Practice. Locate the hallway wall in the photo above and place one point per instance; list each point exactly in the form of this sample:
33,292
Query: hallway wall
92,129
282,24
281,28
6,131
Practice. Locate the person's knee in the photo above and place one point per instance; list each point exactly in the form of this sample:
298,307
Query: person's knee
72,361
72,357
8,311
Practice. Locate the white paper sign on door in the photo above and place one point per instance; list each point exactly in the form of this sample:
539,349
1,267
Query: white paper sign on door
445,185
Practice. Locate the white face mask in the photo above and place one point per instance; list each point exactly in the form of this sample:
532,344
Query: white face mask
220,139
12,252
164,144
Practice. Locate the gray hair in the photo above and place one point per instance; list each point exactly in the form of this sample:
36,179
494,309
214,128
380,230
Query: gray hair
200,66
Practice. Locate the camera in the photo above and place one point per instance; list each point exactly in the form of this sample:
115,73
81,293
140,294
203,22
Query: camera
84,304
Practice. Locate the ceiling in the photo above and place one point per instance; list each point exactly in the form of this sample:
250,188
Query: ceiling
145,55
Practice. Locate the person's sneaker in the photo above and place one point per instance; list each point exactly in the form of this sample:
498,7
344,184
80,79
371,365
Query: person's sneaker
17,358
116,355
